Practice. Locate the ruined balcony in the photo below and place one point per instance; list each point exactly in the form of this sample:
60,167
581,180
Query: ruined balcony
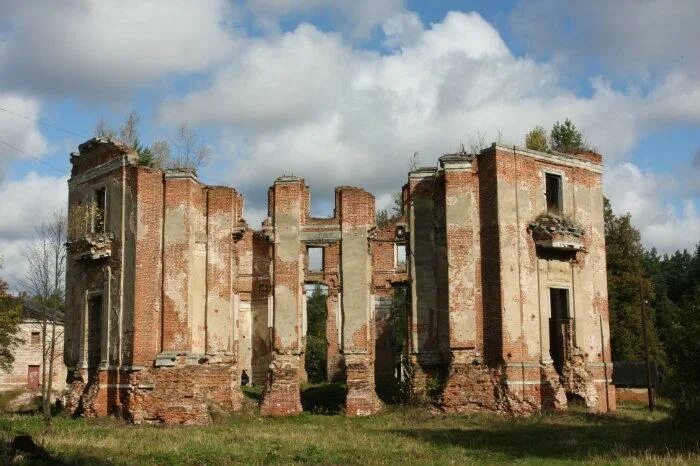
91,246
551,231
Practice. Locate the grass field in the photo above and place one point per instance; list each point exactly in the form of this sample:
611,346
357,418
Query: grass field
399,435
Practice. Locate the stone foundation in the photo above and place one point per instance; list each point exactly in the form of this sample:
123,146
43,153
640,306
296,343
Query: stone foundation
281,396
182,394
427,376
362,397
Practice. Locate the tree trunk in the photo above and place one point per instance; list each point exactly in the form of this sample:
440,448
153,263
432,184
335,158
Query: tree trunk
52,355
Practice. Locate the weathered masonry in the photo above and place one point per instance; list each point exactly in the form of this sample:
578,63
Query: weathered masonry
171,295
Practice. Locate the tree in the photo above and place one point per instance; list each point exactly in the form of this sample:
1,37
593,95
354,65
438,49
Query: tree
128,133
189,153
44,281
10,318
565,137
537,139
629,288
104,131
677,305
384,216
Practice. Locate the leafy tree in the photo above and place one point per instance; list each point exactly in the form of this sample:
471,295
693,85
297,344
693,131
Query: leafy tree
629,290
566,137
677,305
683,350
316,356
10,318
537,139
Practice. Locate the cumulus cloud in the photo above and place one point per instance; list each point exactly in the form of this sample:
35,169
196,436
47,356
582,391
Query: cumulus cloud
26,203
308,102
643,194
99,48
19,133
626,36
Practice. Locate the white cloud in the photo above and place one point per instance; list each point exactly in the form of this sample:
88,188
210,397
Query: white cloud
99,48
20,133
643,195
309,103
26,203
29,201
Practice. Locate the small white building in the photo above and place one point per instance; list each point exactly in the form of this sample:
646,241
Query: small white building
26,371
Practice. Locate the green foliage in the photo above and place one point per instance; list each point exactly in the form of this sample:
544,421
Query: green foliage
10,318
677,304
629,289
316,355
537,139
145,153
565,137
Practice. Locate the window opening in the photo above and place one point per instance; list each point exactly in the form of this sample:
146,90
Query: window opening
35,338
315,259
553,193
98,223
400,256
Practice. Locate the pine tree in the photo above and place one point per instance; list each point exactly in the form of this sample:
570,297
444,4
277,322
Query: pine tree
566,137
630,291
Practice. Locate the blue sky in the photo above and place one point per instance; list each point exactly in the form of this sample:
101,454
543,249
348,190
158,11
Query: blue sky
344,92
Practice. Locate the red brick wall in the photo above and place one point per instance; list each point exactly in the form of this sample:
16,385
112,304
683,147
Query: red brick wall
148,281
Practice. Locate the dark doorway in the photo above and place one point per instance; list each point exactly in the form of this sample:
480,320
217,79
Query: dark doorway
559,326
94,332
553,193
316,355
391,375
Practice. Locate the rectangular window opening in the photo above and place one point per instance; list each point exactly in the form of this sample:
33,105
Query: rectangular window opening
35,338
314,259
553,193
94,331
400,256
98,221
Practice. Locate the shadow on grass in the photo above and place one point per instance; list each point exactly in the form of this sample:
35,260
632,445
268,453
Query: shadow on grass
25,451
327,398
548,437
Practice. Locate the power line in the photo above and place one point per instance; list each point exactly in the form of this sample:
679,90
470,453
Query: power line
42,123
38,159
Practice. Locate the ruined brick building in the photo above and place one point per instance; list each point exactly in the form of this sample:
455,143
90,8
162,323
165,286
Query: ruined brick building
170,294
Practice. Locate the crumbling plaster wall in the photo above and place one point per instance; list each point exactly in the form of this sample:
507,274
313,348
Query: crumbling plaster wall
526,277
190,292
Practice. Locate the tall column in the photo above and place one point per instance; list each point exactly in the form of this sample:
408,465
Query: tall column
426,359
281,395
357,217
461,220
182,200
